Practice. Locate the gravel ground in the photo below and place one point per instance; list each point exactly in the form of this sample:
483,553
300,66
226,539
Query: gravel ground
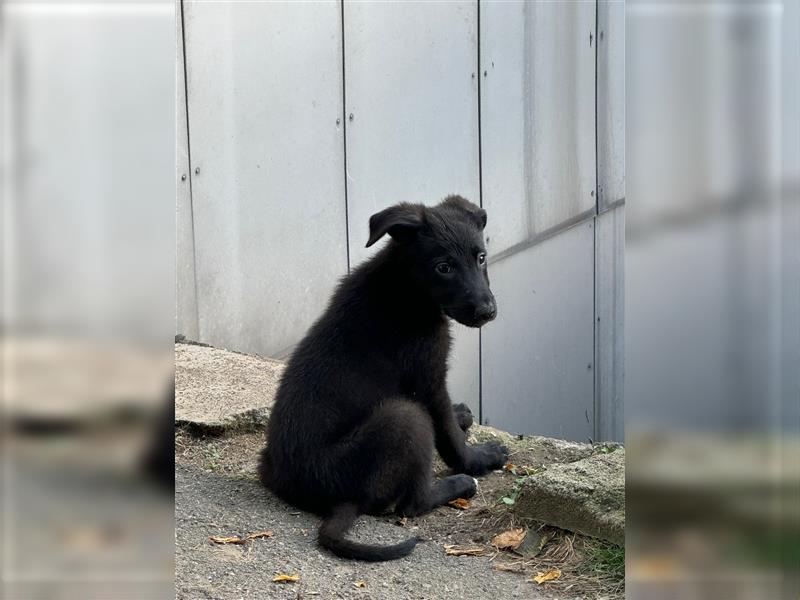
217,494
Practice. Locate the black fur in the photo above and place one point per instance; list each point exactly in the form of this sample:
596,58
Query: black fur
363,401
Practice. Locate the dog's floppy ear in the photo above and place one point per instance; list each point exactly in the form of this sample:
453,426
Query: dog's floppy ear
480,215
477,214
400,221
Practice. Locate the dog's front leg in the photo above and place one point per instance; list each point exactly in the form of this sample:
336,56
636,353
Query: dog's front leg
452,446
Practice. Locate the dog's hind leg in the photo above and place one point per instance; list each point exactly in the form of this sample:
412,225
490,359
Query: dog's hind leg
388,462
441,492
392,454
420,494
386,459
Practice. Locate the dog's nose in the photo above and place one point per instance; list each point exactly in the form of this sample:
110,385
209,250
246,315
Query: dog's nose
486,312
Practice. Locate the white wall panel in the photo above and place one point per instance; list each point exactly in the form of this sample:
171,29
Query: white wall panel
537,116
265,91
610,315
537,356
185,290
412,91
611,101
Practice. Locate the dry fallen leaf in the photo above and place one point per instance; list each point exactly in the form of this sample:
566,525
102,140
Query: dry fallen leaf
260,534
549,576
464,550
360,584
509,540
510,467
227,539
235,539
283,578
461,503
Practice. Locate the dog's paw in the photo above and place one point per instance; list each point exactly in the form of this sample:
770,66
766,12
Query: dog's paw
486,457
463,416
495,455
464,486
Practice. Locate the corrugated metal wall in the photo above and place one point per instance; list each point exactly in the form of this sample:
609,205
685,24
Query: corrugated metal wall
304,119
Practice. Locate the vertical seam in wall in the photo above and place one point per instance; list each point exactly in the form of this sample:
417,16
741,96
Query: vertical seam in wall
480,201
596,382
189,158
595,354
344,144
596,119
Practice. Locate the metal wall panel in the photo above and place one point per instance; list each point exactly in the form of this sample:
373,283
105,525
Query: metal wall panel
610,234
412,125
610,101
185,290
265,93
463,378
609,335
537,116
537,356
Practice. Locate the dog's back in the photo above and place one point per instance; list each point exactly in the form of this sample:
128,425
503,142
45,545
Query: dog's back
339,372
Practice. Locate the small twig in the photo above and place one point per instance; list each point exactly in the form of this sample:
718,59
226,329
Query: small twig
483,498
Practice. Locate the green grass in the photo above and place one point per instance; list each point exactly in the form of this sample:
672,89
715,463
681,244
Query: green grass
608,449
211,455
607,560
511,497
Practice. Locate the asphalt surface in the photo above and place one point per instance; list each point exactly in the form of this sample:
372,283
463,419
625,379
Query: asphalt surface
209,503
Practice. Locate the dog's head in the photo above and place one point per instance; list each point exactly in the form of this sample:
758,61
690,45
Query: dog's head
445,253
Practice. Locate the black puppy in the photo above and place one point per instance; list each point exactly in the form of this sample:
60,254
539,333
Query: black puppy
363,400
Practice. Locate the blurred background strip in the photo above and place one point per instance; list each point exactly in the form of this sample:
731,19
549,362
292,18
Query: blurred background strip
88,129
712,300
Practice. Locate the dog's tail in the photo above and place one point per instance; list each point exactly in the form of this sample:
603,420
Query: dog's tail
335,525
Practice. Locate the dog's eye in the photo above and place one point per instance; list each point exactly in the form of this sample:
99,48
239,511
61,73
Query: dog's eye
444,268
482,258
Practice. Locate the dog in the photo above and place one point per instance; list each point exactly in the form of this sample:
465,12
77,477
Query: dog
363,401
